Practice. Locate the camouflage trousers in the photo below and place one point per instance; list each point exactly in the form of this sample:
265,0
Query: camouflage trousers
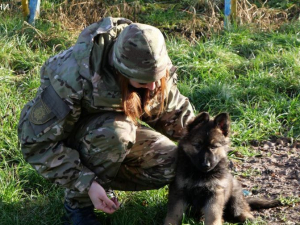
123,156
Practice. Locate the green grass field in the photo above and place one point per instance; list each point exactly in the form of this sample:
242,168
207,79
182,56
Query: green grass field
252,74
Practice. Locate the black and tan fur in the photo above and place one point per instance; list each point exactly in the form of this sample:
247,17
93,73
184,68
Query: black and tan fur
203,180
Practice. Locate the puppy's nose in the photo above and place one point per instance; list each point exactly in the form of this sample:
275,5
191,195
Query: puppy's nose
205,165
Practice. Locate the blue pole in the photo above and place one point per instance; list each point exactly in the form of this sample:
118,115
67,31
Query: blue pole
227,11
34,8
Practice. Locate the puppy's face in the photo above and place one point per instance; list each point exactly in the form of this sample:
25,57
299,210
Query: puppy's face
206,142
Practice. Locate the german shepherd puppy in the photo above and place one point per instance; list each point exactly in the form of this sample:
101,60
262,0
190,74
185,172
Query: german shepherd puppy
203,180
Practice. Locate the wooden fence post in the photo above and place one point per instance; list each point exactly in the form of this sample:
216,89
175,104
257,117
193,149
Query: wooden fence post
230,12
233,10
31,10
25,8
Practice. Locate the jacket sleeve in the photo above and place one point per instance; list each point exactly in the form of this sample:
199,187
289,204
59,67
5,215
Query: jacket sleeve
178,112
45,124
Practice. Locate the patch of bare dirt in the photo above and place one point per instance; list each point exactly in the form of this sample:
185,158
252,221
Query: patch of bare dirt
274,174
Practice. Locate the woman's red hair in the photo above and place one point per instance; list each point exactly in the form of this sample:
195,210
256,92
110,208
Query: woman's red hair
135,105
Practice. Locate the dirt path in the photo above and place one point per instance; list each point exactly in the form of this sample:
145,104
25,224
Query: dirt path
273,173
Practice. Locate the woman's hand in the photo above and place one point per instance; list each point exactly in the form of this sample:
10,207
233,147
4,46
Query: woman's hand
101,201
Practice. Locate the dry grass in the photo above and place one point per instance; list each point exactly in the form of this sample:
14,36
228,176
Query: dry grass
77,14
264,18
199,17
211,15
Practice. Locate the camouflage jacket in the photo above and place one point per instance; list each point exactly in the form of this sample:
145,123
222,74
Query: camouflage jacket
77,82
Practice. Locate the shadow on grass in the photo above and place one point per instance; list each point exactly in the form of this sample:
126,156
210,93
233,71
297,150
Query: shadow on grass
44,210
48,210
135,214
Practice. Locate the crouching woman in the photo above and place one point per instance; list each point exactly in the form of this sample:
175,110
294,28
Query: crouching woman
83,130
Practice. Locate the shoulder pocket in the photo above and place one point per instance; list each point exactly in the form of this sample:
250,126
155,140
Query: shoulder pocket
47,109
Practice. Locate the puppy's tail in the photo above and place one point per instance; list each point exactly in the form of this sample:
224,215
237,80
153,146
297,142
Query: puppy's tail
258,203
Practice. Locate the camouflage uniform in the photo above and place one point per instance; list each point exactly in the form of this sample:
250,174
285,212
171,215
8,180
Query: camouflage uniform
75,131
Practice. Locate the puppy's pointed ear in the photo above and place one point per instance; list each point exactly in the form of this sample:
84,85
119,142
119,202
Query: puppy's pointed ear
201,118
223,122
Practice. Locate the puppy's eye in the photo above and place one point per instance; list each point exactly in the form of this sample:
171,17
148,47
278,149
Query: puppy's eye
215,146
197,145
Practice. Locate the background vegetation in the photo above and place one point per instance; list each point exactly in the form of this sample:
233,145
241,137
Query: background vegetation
250,70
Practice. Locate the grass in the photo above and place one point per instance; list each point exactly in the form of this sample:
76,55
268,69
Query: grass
252,75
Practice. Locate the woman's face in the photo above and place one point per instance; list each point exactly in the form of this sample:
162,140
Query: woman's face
151,86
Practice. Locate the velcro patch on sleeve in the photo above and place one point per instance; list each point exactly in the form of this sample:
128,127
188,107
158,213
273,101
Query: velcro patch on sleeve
40,113
47,110
55,103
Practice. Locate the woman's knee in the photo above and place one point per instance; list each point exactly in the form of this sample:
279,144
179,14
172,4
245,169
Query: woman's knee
104,137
